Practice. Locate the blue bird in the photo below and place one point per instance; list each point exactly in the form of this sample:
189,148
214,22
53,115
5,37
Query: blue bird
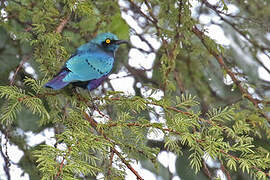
89,65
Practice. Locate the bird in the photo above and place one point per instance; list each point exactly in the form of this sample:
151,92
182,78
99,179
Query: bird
90,65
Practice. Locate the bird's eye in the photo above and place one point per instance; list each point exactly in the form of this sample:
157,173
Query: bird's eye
108,41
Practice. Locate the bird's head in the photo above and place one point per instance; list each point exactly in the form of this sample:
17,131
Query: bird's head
108,41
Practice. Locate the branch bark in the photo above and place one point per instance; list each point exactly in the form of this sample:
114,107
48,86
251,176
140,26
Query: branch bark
62,24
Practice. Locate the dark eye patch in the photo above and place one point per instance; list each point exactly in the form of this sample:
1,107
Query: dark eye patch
104,44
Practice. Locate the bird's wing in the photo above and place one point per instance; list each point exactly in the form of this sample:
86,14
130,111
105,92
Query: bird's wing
87,66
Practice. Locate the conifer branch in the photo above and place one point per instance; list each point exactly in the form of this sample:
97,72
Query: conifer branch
94,125
165,107
179,81
62,24
238,159
95,32
206,170
170,52
127,164
243,34
143,126
38,96
179,133
59,29
6,164
153,20
221,62
225,171
101,113
62,164
25,58
110,163
152,49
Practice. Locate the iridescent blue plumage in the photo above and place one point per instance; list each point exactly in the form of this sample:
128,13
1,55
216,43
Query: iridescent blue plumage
90,65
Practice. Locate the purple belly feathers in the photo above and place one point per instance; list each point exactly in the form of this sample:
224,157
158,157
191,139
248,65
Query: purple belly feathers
95,83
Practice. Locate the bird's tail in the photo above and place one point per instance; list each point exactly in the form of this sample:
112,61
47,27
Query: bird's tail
57,82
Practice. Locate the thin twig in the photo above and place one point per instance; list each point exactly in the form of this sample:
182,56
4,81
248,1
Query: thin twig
62,164
110,163
94,125
6,164
62,24
225,171
178,81
25,58
153,20
152,49
127,164
206,170
38,96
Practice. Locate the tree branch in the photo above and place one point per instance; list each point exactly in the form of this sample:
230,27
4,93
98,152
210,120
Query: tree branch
221,62
62,24
110,163
62,164
206,170
6,164
233,25
225,172
25,58
94,125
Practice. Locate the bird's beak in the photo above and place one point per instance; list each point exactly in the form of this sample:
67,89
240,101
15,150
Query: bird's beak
117,42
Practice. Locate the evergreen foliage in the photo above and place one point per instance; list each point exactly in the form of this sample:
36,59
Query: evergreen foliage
214,102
